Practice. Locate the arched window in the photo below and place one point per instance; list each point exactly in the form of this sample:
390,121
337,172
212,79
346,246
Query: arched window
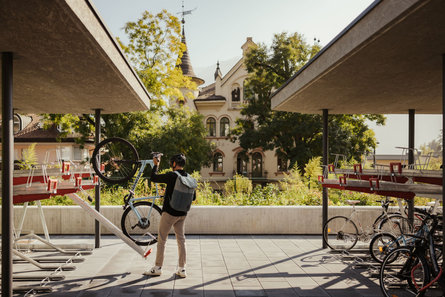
211,127
281,164
217,162
241,163
224,126
257,165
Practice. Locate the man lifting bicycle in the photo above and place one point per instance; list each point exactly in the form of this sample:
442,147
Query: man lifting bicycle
172,217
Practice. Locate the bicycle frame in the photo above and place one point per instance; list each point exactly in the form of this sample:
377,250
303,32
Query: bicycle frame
408,240
130,202
366,233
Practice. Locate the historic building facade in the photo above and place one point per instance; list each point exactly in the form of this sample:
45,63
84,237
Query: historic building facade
220,103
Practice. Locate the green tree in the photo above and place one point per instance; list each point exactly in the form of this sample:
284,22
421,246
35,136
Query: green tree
29,157
432,153
295,136
154,49
180,131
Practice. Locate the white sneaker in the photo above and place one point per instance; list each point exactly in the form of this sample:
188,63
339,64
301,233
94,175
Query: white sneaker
181,272
154,271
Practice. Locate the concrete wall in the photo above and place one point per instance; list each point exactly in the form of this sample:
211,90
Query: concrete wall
201,219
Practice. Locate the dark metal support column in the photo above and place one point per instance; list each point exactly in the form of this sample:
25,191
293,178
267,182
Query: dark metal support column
443,152
7,173
325,163
411,127
97,188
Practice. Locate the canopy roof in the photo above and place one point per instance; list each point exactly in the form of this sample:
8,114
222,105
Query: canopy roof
65,59
389,60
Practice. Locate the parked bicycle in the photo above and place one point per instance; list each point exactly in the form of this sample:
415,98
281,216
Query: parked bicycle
411,271
383,243
341,233
115,160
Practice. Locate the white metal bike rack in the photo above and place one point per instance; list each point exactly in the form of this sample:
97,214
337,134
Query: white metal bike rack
109,225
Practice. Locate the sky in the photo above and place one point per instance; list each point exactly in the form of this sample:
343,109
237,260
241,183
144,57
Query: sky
216,30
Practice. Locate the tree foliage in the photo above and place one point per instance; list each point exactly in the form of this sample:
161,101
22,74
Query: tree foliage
295,136
179,131
154,49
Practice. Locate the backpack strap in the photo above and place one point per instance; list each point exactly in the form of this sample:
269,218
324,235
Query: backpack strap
179,174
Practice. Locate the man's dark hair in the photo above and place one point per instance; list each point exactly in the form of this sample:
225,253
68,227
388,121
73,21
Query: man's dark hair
179,159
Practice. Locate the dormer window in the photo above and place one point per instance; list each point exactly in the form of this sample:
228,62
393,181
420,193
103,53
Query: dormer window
17,123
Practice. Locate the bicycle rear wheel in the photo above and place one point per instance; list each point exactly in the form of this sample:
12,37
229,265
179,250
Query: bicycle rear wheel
405,275
115,160
340,233
141,229
396,225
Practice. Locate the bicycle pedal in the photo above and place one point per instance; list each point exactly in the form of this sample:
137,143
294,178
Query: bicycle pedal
152,241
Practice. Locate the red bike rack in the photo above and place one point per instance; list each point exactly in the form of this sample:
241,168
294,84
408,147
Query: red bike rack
394,165
358,168
371,183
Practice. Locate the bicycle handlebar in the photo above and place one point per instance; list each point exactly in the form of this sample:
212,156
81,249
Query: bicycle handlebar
157,155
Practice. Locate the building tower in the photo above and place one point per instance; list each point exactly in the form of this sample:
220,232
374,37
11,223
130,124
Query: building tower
187,69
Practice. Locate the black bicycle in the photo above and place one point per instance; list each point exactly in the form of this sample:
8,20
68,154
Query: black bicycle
411,271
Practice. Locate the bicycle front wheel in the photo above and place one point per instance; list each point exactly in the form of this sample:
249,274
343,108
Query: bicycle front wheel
141,222
340,233
115,160
381,245
405,275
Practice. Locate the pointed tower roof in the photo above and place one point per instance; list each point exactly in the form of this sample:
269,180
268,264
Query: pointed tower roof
186,65
217,71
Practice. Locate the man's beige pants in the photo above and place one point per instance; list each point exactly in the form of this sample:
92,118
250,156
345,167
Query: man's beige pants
168,221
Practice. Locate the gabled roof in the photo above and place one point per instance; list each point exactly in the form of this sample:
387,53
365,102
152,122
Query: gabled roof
34,132
207,91
33,125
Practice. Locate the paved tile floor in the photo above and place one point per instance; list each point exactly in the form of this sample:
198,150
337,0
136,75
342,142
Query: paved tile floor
223,266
